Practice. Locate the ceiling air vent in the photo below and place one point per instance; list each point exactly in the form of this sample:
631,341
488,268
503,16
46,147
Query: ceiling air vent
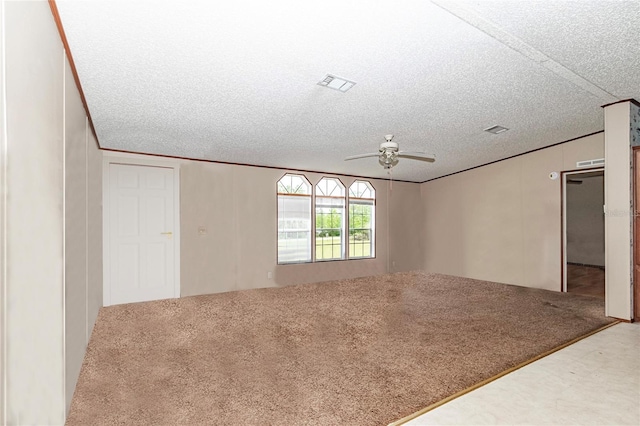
590,163
336,83
496,129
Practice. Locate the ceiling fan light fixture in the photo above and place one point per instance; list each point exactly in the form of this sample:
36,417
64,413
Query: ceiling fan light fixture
389,154
336,83
496,129
388,162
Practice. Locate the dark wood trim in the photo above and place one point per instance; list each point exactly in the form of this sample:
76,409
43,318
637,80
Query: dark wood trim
633,101
72,64
287,171
285,194
635,276
333,196
514,156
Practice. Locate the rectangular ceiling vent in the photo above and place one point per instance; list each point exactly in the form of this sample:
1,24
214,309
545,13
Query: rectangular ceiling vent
336,83
496,129
590,163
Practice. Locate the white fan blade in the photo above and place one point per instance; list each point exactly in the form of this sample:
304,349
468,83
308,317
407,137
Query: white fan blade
422,156
355,157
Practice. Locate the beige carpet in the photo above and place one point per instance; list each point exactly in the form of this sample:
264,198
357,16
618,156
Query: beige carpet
354,352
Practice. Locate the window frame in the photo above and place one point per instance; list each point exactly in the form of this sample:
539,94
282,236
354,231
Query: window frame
345,217
311,219
373,224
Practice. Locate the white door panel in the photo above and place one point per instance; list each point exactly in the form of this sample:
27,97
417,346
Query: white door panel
141,233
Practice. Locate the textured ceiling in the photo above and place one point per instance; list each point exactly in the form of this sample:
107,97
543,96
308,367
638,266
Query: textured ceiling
236,81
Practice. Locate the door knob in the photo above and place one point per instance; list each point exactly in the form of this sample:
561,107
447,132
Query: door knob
166,233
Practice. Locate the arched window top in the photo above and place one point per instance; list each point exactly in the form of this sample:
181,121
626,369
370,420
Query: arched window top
362,189
330,187
294,184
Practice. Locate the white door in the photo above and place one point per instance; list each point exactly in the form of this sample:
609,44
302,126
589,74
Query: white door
141,234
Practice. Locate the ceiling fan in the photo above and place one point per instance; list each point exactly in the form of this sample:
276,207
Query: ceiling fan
389,154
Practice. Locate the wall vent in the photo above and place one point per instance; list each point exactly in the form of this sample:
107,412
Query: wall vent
590,163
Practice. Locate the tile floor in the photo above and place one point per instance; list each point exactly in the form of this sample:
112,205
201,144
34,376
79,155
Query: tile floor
595,381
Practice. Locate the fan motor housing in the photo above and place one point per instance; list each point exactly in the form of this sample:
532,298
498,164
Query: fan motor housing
388,146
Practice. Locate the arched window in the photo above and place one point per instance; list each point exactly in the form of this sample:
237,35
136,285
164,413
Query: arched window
362,221
330,219
294,219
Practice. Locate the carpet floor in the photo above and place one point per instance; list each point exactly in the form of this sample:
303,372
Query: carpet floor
364,351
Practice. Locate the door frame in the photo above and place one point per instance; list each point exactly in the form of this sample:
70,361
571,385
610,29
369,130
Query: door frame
563,226
635,255
109,158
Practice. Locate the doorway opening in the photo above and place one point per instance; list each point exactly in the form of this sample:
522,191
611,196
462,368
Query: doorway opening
583,233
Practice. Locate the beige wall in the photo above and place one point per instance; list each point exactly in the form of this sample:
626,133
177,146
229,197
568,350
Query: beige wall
82,231
35,272
618,217
50,252
502,222
94,231
585,220
75,226
237,207
3,204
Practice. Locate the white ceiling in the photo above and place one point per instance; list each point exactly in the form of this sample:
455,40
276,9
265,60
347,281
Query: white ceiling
236,81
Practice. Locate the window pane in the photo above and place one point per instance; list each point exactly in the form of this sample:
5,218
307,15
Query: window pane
361,220
294,220
362,189
330,187
294,184
330,219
